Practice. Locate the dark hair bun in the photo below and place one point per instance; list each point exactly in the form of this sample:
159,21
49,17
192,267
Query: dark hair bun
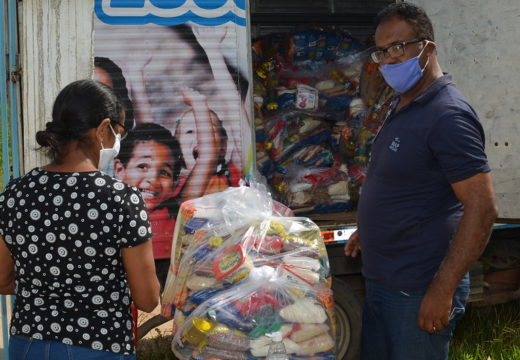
79,107
48,139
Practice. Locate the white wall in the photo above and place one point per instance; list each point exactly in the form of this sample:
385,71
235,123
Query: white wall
477,41
56,40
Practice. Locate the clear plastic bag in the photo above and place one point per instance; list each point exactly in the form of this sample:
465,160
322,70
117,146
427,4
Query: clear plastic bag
233,324
222,214
217,260
333,67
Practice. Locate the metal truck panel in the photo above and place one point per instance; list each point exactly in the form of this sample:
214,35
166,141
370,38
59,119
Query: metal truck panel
476,41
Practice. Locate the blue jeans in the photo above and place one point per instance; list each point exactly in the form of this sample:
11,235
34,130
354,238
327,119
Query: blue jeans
390,330
22,348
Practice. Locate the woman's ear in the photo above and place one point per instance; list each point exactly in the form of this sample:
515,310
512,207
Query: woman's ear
102,130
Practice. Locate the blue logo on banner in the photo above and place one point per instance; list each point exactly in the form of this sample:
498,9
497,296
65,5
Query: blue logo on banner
171,12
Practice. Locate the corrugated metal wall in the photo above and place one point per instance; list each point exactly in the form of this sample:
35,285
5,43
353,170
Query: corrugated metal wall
56,47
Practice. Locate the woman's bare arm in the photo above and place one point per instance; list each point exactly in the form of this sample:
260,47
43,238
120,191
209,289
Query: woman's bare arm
140,270
7,283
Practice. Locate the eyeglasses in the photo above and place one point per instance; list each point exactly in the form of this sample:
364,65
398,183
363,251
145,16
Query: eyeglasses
394,51
124,134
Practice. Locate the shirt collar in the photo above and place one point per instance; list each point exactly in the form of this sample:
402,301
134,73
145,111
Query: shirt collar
425,96
434,88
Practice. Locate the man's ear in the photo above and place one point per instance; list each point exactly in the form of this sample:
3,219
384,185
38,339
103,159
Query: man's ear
119,169
431,48
102,129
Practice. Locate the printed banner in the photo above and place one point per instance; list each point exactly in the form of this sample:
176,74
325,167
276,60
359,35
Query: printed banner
181,69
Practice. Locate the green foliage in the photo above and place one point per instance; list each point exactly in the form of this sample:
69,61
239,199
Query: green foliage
488,333
484,333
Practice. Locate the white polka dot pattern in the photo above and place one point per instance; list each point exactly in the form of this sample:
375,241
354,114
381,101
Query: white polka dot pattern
66,231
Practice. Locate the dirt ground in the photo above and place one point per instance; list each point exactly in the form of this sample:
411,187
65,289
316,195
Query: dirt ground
163,330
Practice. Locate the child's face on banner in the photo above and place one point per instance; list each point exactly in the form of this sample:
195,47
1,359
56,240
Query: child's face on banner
102,76
186,134
150,169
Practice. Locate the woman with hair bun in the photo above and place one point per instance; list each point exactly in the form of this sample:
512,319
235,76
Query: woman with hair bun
74,244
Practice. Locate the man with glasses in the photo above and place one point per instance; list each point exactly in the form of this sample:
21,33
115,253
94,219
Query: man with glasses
427,205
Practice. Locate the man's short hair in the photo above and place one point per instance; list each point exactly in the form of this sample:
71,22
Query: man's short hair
412,14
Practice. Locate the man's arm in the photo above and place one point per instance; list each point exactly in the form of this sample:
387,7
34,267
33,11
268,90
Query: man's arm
6,270
480,211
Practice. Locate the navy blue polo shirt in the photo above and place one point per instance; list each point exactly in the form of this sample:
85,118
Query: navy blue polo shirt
408,212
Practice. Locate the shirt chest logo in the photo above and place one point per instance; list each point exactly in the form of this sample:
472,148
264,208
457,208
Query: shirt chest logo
394,146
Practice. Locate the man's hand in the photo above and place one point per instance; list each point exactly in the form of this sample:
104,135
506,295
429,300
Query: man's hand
434,313
477,195
352,247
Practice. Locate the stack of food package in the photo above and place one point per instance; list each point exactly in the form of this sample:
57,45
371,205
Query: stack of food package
242,272
318,104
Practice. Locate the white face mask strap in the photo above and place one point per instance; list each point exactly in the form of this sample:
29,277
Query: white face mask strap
427,59
113,132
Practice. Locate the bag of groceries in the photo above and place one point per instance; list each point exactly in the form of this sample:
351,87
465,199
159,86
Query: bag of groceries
236,323
218,260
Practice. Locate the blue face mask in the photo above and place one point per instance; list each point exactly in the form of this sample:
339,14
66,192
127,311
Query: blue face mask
403,76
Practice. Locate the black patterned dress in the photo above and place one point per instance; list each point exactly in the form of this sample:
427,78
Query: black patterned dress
65,232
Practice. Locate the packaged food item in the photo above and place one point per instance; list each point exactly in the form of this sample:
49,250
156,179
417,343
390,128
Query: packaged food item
241,272
319,102
260,347
228,340
204,223
319,344
304,311
296,311
232,264
221,261
196,332
306,97
197,283
303,332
